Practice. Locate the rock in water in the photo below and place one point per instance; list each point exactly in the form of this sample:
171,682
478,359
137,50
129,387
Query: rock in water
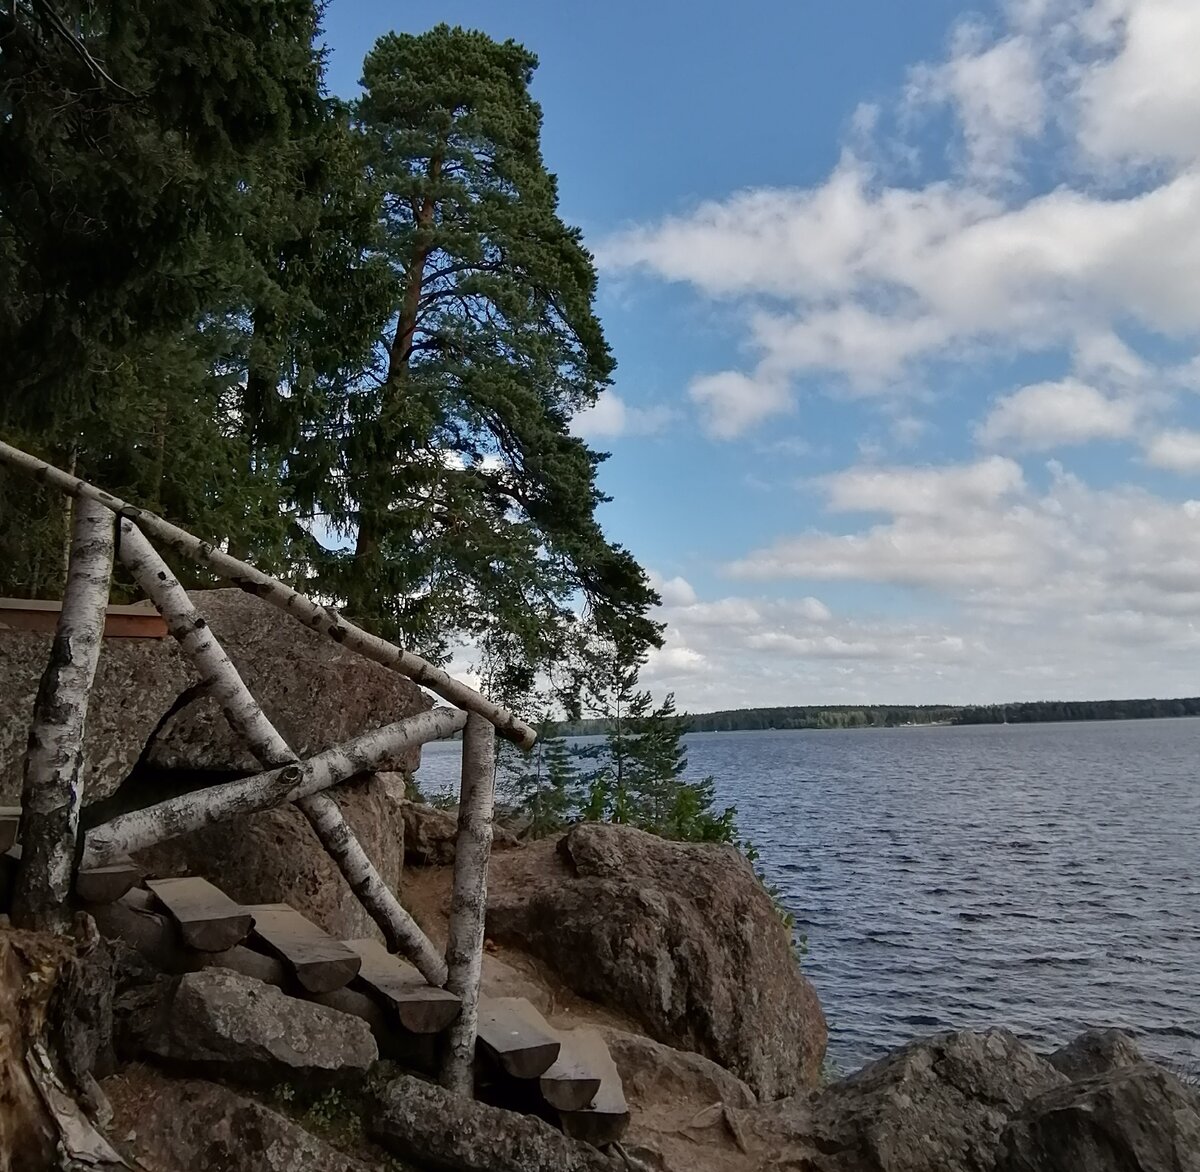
435,1129
205,1128
1137,1118
681,936
220,1022
1096,1052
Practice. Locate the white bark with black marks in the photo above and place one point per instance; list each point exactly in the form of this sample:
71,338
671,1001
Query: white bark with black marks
247,718
219,803
468,906
255,582
52,791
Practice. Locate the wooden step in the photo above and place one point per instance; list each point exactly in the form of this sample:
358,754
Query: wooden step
607,1119
319,962
10,827
573,1082
421,1008
208,919
508,1035
10,860
107,883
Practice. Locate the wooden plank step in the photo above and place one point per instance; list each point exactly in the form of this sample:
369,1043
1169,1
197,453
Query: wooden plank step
139,620
208,919
421,1008
10,860
107,883
607,1119
572,1083
10,827
509,1036
320,963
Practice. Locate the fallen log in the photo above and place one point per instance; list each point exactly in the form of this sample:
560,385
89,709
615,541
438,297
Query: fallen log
255,582
246,716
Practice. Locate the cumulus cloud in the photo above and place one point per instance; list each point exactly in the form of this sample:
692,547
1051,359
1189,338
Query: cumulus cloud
611,417
1054,414
1178,451
732,402
675,591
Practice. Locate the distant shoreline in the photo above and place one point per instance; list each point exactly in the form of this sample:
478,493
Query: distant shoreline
816,717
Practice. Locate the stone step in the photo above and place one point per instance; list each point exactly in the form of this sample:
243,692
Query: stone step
606,1120
208,919
107,883
419,1007
10,827
319,962
509,1037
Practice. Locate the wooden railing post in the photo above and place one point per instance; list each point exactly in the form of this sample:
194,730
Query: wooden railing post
468,907
52,789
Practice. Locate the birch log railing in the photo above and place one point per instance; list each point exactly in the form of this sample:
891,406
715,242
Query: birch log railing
52,795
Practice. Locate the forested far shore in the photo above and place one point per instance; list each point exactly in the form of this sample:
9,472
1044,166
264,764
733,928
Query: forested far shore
898,716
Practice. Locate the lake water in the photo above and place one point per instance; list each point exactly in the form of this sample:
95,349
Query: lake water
1041,877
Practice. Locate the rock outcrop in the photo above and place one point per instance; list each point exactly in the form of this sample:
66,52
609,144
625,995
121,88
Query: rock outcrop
220,1022
193,1126
1095,1052
680,936
431,835
428,1125
1132,1118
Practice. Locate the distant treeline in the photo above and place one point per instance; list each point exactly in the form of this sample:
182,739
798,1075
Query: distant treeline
894,716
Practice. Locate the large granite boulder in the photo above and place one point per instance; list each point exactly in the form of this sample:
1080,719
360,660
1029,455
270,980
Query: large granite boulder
938,1103
197,1126
1096,1052
220,1022
431,835
430,1126
680,936
276,857
316,692
137,682
1132,1118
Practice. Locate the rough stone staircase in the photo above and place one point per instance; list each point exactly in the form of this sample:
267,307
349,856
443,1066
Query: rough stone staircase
186,924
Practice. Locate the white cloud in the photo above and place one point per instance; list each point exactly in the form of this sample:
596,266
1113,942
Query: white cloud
611,417
675,591
924,492
1178,451
732,402
1053,414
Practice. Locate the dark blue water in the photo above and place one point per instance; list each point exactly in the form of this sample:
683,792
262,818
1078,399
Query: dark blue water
1040,877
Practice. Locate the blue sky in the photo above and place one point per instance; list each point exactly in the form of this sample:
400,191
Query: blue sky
905,300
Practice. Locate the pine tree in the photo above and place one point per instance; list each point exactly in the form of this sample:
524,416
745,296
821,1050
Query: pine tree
546,782
474,505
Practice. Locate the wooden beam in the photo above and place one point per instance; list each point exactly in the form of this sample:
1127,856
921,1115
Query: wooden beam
319,962
208,919
138,621
418,1006
254,581
607,1119
509,1037
10,827
108,882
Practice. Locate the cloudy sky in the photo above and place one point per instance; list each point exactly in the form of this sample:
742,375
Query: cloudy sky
906,305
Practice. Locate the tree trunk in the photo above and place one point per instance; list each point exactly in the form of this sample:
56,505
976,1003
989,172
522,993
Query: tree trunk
255,582
219,803
264,740
52,790
468,906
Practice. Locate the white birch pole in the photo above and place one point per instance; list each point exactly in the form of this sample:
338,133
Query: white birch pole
255,582
277,787
52,789
247,718
468,906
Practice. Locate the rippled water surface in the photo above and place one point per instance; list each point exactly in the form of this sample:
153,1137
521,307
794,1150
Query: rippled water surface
1042,877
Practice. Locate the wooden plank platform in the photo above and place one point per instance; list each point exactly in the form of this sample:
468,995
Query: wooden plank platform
137,621
510,1038
10,827
607,1119
420,1008
208,919
319,962
106,884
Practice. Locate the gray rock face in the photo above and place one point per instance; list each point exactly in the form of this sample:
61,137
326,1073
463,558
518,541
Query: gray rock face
316,692
199,1127
431,835
1133,1118
940,1103
276,857
426,1124
137,681
681,936
220,1022
1096,1052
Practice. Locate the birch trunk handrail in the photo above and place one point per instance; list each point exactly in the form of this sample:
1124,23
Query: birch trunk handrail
246,577
248,795
245,715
